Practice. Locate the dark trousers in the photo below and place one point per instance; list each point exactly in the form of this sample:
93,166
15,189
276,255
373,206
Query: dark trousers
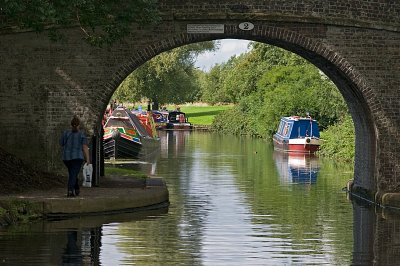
74,166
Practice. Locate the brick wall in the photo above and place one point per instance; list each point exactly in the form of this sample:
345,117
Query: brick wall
356,43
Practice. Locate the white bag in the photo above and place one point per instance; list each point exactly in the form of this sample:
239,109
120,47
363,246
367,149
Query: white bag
87,175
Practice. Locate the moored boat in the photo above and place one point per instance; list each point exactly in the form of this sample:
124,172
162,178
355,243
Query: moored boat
297,134
178,121
146,118
125,137
160,119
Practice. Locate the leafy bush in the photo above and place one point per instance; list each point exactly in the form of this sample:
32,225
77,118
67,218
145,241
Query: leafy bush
339,140
232,121
283,84
18,211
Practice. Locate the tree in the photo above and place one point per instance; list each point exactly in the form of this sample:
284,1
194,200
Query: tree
102,22
297,90
267,83
169,77
210,85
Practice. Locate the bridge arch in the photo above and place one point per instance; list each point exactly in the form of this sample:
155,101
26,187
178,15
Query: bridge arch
335,66
42,83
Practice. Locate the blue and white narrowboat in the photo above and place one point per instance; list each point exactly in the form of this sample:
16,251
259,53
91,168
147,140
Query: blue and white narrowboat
297,134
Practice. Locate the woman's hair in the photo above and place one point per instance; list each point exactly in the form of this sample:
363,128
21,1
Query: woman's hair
75,123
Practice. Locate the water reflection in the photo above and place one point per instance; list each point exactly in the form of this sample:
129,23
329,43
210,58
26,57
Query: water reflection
296,168
72,254
376,235
83,247
173,142
228,207
363,233
76,241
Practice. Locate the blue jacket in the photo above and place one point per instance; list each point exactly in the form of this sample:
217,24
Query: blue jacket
72,143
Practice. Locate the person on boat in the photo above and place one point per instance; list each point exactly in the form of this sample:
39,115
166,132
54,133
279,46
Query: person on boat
113,105
74,150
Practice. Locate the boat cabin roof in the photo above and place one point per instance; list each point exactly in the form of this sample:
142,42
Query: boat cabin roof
176,113
173,116
298,127
121,117
297,118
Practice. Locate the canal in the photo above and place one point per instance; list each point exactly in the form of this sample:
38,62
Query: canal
233,201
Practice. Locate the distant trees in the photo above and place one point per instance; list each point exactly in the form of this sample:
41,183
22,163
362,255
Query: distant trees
101,22
169,77
267,83
211,86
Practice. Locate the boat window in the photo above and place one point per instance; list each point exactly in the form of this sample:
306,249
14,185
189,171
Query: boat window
281,125
286,129
118,123
176,117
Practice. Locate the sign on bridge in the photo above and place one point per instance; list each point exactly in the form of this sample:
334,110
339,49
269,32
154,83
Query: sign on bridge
205,28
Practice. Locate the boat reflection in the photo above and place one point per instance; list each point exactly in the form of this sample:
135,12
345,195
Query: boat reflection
296,168
172,145
173,142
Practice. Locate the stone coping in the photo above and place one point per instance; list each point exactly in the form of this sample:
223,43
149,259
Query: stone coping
97,200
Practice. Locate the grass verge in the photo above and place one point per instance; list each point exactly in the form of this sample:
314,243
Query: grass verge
18,211
201,115
117,171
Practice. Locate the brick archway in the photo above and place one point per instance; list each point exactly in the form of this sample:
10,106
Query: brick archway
341,72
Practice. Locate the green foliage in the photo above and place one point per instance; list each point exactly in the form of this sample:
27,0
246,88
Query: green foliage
268,83
296,90
275,56
210,85
101,22
241,75
233,121
113,171
339,140
237,78
17,211
168,77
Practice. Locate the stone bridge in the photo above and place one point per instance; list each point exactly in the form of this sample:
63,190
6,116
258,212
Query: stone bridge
355,43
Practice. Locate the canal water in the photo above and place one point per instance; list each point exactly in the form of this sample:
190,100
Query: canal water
233,201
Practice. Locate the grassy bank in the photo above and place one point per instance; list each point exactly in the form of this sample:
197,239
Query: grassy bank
113,170
16,211
201,115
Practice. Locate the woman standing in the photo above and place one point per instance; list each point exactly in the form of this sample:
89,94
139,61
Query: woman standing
75,149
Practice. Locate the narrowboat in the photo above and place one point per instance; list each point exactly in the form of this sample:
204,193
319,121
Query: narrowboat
297,134
178,121
160,119
146,118
125,137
